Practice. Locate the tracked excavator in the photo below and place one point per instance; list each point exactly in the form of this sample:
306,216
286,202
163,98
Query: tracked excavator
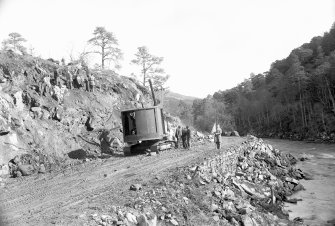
144,129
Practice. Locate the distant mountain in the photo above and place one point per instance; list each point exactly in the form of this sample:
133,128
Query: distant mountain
179,96
172,103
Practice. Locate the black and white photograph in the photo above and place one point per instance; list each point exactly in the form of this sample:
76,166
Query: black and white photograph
167,112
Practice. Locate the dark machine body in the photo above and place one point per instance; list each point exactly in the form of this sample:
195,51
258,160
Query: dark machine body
144,129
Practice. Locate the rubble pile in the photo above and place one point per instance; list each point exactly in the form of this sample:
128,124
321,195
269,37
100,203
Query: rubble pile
200,138
245,185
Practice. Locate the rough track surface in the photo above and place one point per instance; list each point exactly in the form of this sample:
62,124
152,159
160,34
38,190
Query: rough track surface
60,197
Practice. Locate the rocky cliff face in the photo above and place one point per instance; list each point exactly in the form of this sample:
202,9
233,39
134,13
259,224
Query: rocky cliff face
57,122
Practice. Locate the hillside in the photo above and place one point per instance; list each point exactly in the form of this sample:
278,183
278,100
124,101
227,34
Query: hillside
178,96
295,99
179,105
58,123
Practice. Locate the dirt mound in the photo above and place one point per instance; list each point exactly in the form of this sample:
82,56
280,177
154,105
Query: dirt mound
56,119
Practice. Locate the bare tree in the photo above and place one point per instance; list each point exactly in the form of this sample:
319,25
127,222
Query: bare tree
150,67
15,42
107,46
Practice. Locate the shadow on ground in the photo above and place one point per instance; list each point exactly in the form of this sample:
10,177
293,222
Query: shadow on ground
81,154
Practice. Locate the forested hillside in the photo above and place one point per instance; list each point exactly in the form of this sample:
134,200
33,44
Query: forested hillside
294,99
179,105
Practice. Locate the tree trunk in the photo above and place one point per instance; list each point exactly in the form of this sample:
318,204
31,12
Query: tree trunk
144,73
102,57
301,106
323,121
304,105
310,113
331,97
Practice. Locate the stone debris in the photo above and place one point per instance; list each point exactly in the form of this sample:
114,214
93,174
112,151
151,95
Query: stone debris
216,218
244,185
131,218
174,222
304,157
135,187
26,170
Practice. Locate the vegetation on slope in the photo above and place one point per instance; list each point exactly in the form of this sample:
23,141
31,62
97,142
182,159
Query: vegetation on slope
294,99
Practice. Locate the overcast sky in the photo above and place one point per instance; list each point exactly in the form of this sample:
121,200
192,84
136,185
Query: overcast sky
207,45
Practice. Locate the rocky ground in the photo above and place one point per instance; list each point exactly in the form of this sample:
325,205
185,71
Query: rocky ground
52,170
101,186
317,205
244,183
52,129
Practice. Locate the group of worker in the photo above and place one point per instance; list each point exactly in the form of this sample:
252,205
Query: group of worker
75,76
183,135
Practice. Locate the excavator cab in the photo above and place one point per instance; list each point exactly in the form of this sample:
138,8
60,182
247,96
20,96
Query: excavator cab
143,124
144,130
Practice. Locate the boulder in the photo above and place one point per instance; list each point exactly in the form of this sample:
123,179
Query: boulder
228,194
294,181
18,100
248,221
17,121
304,157
174,222
17,160
26,170
131,218
4,170
143,221
42,169
18,174
298,187
228,206
214,207
308,176
4,127
10,146
37,112
135,187
235,133
45,114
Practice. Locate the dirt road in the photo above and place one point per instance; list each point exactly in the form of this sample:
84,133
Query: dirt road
318,200
61,197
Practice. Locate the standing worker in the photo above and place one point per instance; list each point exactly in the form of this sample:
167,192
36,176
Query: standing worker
188,137
86,84
178,136
47,86
91,82
57,77
70,77
183,137
217,138
87,78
